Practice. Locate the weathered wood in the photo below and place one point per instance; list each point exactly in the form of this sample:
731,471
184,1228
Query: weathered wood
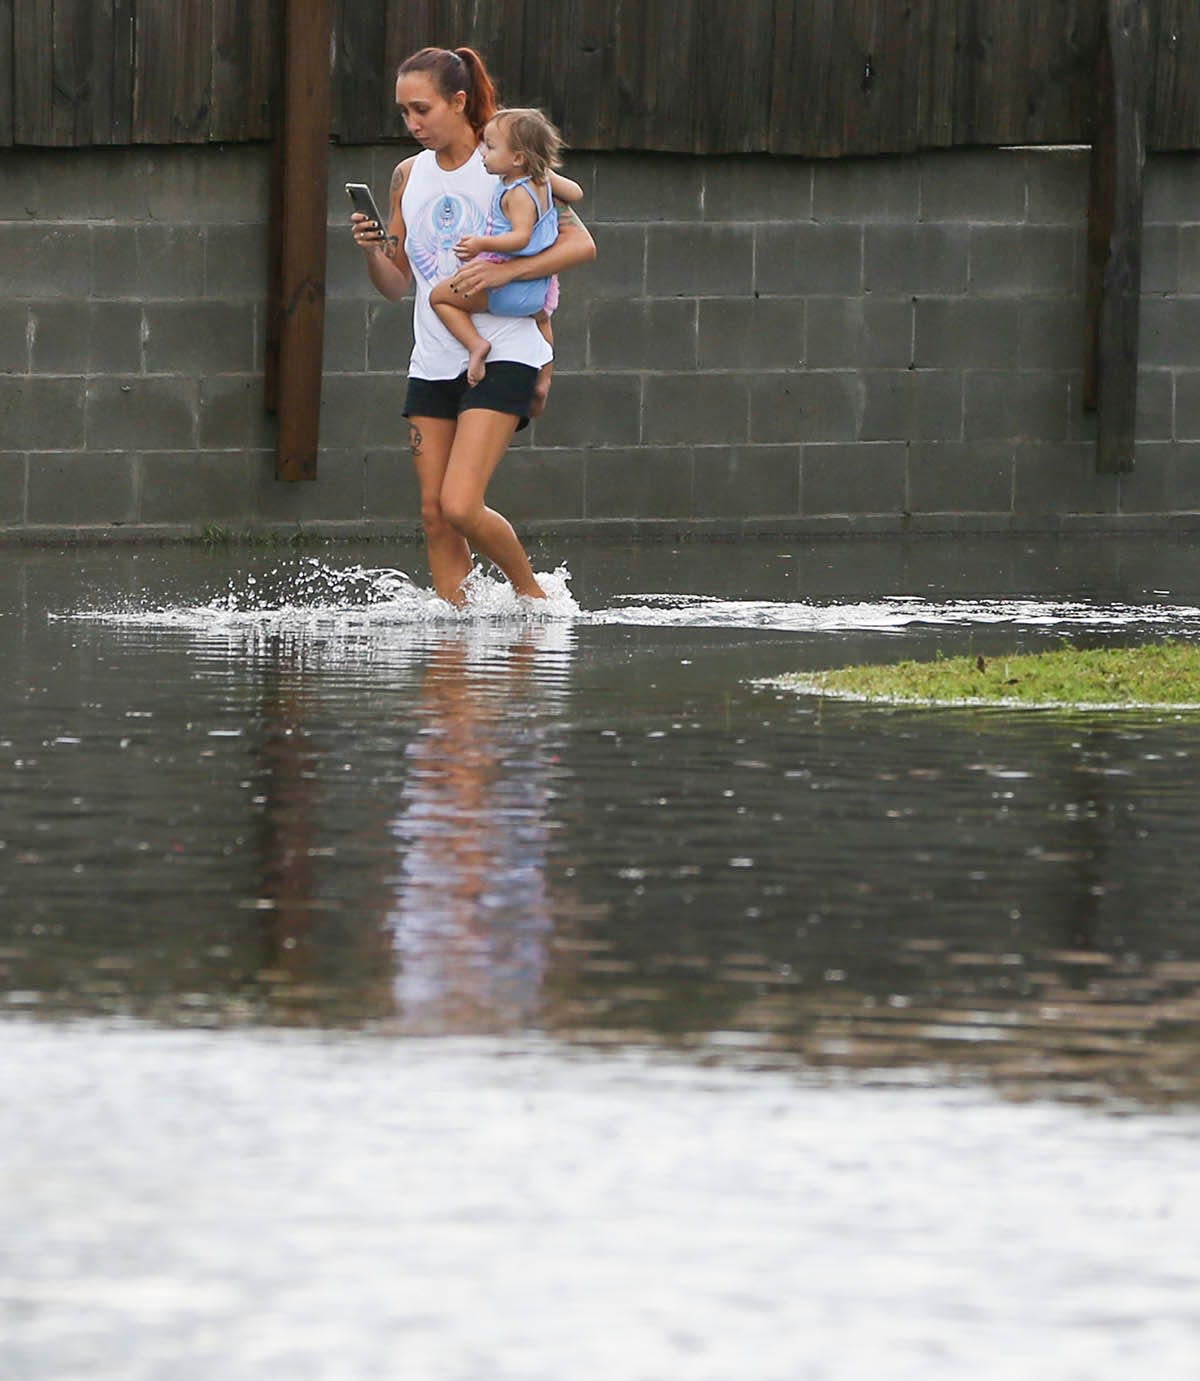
1115,230
33,73
172,96
307,109
1175,102
244,44
7,92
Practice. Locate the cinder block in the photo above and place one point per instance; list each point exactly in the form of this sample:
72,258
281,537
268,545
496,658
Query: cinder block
809,406
808,260
114,262
1172,189
744,333
1020,260
983,185
592,409
84,489
861,478
1160,259
344,348
967,333
14,338
856,190
642,333
570,327
644,483
235,184
1165,479
1052,333
40,414
699,260
1170,332
1189,259
746,481
1155,405
336,495
235,262
345,271
859,332
912,405
86,337
44,261
901,259
751,187
619,269
704,409
1062,479
199,338
646,187
1058,186
389,333
46,185
232,415
198,487
1011,405
170,262
123,179
127,412
390,486
531,484
1187,406
13,467
362,410
948,477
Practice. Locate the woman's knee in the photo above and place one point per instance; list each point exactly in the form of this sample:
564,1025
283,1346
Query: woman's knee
461,511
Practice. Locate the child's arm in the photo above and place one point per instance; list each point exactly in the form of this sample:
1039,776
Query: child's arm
522,211
564,189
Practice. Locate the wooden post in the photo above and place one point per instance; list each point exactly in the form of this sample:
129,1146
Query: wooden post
1115,231
299,309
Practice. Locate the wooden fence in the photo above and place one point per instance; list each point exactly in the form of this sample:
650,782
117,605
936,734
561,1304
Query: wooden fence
810,77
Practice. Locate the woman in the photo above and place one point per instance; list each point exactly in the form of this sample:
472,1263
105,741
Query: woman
459,434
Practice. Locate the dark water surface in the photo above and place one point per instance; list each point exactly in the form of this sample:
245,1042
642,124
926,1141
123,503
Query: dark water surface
394,995
264,787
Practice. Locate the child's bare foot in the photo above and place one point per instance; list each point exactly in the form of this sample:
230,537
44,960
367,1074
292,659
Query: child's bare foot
477,362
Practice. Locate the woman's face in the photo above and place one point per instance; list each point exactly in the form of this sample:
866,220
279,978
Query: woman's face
431,119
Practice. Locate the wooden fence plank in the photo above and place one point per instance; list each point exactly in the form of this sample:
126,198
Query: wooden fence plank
7,75
362,85
172,98
730,77
114,116
245,40
33,81
1175,101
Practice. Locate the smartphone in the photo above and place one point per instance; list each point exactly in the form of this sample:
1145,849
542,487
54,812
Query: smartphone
364,203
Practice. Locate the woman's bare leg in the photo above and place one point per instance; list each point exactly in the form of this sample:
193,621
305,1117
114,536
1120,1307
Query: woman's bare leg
479,445
446,548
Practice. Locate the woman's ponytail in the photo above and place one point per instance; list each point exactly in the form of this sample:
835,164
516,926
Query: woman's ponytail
482,102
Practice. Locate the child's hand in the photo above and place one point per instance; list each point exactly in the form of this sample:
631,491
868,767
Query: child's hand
469,246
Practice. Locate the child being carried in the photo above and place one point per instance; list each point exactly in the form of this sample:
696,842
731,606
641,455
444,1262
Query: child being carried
522,148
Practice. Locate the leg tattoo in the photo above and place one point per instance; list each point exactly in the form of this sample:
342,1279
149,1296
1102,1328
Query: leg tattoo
415,440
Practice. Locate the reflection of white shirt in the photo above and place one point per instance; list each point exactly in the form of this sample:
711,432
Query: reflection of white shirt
439,208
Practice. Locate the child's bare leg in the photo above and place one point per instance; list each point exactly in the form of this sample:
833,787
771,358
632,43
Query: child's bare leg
541,390
454,311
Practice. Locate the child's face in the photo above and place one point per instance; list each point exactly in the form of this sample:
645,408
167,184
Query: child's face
498,157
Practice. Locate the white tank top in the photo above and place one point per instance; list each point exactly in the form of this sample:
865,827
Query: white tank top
439,209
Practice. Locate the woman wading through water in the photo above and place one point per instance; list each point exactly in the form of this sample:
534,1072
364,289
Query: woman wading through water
459,432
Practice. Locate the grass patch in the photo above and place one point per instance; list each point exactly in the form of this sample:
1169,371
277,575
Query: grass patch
1165,673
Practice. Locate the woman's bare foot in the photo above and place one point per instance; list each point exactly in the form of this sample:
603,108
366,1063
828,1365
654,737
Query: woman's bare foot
477,362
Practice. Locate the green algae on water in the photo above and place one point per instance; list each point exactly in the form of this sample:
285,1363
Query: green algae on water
1166,673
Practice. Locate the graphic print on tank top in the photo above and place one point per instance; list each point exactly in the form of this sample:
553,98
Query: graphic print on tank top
439,225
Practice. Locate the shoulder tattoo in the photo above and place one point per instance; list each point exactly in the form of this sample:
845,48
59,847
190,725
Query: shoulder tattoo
566,216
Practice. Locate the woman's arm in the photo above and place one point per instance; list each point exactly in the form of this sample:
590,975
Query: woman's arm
573,247
387,264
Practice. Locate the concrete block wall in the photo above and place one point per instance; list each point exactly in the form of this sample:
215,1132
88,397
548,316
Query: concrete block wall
883,344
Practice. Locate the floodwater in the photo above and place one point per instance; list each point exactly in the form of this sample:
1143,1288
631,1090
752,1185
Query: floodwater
540,994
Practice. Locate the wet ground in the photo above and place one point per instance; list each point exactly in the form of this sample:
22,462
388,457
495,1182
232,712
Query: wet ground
719,1016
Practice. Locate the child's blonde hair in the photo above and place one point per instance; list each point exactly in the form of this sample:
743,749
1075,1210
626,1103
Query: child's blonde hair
530,133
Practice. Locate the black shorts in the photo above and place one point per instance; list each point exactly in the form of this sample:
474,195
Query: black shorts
506,387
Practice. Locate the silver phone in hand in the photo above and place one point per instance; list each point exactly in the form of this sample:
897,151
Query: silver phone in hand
364,203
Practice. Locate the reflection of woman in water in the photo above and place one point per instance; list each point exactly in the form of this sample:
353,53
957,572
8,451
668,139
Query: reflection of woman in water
472,920
459,434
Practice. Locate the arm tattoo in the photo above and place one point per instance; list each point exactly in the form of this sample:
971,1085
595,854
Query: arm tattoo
566,215
415,440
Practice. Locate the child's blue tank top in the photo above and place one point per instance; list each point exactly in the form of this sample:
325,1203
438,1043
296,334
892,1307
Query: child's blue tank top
545,231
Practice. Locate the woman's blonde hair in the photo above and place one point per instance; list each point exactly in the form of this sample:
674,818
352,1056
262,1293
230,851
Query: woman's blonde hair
530,133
